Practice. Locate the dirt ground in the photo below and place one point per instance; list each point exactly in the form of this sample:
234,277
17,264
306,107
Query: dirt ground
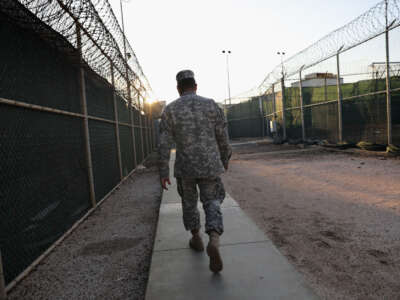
108,256
335,216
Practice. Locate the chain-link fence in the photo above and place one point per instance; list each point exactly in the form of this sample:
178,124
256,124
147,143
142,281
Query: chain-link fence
343,89
71,127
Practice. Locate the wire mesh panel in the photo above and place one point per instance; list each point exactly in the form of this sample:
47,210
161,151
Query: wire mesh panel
136,117
364,119
394,36
123,111
292,113
42,76
138,145
293,124
321,122
396,117
127,153
245,128
103,145
99,97
43,182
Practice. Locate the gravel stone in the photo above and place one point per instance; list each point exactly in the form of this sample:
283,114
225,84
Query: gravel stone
108,256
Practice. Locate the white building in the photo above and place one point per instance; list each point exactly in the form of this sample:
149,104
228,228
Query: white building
318,80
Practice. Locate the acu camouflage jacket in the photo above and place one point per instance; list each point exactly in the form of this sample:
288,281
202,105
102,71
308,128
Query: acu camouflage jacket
197,126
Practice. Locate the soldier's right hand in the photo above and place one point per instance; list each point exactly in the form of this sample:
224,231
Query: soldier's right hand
164,182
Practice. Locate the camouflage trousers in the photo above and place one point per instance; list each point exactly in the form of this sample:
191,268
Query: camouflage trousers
212,194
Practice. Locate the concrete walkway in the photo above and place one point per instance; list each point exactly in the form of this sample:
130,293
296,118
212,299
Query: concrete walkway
253,267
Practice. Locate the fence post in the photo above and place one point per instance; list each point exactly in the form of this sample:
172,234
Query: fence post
388,95
283,108
260,104
273,99
3,294
116,121
133,134
130,107
339,92
303,129
141,130
82,95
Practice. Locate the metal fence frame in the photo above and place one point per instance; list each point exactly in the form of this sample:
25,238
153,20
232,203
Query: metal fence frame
385,8
340,97
145,126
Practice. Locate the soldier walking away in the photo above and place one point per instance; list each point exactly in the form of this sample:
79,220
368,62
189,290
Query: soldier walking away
197,126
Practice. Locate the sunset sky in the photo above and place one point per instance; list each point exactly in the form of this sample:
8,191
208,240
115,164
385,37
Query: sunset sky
168,36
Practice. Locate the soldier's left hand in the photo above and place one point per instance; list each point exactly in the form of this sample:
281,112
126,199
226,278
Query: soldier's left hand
164,182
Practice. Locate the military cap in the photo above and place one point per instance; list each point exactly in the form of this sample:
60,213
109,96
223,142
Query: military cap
184,74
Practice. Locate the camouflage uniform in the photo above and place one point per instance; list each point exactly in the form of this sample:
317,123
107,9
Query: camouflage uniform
198,128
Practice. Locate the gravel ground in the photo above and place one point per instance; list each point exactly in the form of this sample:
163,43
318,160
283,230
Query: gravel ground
108,256
335,216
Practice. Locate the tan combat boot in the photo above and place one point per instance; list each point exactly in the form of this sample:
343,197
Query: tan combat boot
196,243
213,252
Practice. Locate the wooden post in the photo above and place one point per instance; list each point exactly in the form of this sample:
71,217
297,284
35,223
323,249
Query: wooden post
3,294
82,95
303,130
339,92
116,121
283,108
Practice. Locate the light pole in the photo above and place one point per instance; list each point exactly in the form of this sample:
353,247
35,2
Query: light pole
123,28
127,55
227,52
281,54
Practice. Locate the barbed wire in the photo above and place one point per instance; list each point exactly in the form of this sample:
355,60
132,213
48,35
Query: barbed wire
365,27
101,36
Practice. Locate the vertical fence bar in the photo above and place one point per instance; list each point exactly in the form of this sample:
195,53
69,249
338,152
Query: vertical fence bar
283,108
133,135
116,121
339,93
260,104
273,99
388,95
130,107
3,294
85,120
141,129
303,129
147,133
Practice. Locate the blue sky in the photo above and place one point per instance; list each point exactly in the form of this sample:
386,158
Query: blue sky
168,36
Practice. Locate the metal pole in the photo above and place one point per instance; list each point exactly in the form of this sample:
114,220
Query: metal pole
273,99
260,104
283,108
388,95
229,81
116,121
3,294
141,133
85,120
123,28
133,135
326,87
227,72
339,92
303,128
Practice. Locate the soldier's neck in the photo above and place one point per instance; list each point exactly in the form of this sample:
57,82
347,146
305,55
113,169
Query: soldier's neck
188,92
